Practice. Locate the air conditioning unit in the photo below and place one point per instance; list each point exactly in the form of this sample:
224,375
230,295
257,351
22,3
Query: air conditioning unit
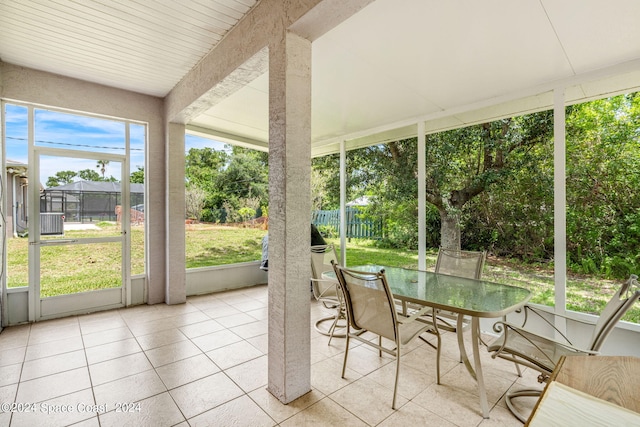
51,223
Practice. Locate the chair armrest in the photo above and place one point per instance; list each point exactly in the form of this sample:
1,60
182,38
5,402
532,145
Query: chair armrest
325,288
529,310
415,315
530,337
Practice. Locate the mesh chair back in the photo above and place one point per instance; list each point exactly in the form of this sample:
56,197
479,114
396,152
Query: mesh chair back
369,301
321,258
467,264
617,306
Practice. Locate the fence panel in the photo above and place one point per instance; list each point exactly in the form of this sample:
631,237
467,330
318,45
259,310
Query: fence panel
357,227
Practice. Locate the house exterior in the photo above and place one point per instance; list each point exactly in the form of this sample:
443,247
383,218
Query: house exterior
16,196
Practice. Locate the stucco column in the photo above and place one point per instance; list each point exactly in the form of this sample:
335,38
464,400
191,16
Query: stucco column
289,217
176,290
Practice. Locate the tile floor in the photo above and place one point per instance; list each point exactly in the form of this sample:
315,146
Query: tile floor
204,363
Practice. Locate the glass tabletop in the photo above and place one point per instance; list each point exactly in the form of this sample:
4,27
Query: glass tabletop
479,298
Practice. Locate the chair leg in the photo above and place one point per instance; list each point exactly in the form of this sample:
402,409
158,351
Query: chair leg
438,358
346,352
520,393
395,387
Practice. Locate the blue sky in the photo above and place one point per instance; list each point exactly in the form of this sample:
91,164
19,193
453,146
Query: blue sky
97,135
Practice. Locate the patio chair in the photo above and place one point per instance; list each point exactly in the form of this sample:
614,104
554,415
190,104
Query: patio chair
542,353
453,262
370,308
458,263
326,290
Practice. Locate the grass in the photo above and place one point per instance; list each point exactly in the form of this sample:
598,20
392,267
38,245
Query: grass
76,268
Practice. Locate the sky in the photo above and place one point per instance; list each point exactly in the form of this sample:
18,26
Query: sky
75,132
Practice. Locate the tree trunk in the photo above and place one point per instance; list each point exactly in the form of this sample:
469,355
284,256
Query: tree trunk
449,230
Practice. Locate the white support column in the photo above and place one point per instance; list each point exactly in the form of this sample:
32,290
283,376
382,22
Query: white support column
422,203
343,202
559,204
176,288
289,362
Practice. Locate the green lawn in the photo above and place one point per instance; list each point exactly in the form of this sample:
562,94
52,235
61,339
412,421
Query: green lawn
66,268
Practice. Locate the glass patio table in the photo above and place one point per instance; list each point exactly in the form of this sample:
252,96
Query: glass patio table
465,297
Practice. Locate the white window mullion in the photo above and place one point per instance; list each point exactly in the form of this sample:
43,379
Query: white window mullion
560,206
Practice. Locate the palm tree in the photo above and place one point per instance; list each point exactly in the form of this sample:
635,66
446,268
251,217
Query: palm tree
102,165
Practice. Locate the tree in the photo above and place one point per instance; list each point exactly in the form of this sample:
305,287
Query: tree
61,178
89,175
245,176
102,165
460,165
463,163
194,200
137,177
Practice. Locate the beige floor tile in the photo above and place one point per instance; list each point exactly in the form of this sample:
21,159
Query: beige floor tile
240,412
207,302
414,415
53,365
156,411
172,352
44,335
205,394
250,330
8,393
172,310
367,400
10,374
104,337
101,322
49,387
51,348
201,328
235,296
15,336
411,381
494,385
91,422
261,342
61,411
365,360
160,338
11,356
235,320
259,314
250,375
248,305
129,389
121,367
216,340
187,370
326,376
325,413
5,418
112,350
234,354
502,417
185,319
279,411
221,311
452,404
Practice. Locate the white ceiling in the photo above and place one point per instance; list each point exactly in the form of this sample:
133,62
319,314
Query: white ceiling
145,46
393,63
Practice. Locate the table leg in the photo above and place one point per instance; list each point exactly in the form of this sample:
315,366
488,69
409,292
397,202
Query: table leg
463,350
477,372
475,337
